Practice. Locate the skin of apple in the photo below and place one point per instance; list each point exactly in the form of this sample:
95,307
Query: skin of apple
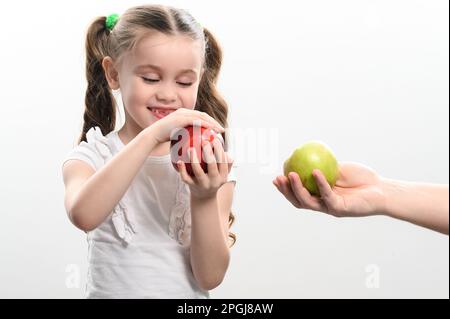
312,156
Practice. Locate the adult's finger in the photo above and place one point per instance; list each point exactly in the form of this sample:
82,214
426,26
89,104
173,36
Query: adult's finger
283,186
302,194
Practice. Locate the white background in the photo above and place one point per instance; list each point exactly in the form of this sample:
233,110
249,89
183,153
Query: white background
370,78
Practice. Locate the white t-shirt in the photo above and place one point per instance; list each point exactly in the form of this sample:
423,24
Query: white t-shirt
142,249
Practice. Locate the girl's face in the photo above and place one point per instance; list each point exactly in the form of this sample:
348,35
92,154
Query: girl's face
161,75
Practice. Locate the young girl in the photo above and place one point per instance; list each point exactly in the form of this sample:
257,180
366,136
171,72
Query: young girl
152,232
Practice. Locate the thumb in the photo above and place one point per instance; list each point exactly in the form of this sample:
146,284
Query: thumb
326,193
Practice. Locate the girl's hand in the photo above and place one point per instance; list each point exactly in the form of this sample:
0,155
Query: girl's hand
179,119
219,163
358,192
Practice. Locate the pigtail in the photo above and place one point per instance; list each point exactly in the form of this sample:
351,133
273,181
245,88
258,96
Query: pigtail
100,106
209,99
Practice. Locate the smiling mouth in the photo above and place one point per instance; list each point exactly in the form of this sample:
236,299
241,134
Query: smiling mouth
160,112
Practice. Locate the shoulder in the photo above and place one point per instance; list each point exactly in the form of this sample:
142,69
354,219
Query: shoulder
96,151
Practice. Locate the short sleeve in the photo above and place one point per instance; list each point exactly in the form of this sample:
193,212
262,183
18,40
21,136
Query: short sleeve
86,153
95,152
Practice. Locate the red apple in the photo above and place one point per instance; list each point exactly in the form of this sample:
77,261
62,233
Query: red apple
191,137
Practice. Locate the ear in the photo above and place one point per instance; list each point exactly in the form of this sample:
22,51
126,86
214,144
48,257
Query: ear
111,74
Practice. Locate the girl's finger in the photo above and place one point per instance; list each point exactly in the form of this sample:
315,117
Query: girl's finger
302,194
202,122
212,120
230,162
195,164
210,159
184,174
221,157
207,118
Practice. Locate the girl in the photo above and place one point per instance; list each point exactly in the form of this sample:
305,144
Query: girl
152,232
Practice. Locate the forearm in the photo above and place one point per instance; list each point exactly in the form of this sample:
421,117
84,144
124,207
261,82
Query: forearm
103,190
209,250
422,204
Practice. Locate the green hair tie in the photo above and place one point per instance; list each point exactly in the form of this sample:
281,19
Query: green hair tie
111,21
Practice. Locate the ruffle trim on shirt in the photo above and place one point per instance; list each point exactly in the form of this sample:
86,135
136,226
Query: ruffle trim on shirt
122,219
180,215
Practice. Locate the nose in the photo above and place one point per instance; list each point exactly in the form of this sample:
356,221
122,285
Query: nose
166,94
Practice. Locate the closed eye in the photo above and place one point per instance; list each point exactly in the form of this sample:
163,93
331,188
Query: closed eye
150,80
185,84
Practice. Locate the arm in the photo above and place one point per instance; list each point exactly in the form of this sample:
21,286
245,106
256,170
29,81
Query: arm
426,205
359,191
209,237
84,186
211,199
110,182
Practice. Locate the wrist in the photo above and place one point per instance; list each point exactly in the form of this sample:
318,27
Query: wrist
203,197
203,205
391,189
148,137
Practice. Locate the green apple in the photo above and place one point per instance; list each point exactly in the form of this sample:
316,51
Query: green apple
310,156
